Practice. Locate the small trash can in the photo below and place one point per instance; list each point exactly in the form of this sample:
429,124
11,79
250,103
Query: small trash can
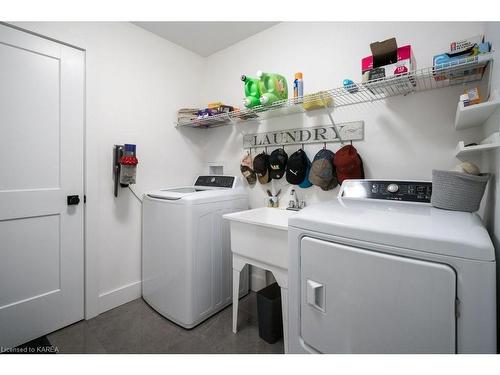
269,312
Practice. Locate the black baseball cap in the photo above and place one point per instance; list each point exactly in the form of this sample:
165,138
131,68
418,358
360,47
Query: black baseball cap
296,167
277,163
261,167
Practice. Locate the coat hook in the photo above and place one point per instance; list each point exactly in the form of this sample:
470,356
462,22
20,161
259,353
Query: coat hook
265,148
351,142
324,145
302,147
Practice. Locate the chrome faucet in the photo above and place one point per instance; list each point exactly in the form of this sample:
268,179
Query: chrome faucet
294,203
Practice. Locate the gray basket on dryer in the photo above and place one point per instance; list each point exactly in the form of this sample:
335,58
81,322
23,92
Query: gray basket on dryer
457,191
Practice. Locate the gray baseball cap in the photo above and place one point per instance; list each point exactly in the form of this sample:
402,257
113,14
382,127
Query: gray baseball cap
322,171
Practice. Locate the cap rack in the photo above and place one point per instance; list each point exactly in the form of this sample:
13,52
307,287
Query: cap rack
467,70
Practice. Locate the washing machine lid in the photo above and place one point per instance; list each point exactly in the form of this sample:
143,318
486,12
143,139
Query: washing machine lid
205,189
175,193
415,226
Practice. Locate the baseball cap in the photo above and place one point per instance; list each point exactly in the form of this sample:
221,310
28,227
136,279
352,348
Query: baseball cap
306,183
296,167
246,168
348,164
277,163
261,167
322,172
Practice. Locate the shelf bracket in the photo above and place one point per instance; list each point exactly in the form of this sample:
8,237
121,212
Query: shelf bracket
328,112
231,120
234,122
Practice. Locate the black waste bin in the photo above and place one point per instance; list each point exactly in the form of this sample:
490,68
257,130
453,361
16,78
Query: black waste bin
269,312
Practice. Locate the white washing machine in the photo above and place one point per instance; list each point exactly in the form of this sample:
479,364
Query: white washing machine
186,250
378,270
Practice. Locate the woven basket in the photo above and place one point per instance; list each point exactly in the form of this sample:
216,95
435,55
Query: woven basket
457,191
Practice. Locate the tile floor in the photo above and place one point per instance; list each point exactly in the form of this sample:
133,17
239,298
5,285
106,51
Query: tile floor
137,328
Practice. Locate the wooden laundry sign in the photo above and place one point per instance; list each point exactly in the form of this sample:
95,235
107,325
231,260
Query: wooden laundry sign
349,131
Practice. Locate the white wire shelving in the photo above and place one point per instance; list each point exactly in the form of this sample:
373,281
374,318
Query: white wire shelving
462,71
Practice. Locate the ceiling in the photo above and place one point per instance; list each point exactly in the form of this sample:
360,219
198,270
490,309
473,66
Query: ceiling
205,38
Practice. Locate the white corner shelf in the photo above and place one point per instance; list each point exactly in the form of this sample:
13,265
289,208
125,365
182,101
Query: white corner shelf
476,114
458,72
490,143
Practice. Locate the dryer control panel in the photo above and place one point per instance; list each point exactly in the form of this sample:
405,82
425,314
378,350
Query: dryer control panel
407,191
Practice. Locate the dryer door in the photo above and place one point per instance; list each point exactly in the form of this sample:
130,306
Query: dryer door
361,301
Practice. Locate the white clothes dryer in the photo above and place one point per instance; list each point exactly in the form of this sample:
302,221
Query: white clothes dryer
379,270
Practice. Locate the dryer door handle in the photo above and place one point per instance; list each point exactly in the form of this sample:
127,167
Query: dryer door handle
315,294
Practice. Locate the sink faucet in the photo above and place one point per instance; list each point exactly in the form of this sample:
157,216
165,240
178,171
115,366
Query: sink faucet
294,203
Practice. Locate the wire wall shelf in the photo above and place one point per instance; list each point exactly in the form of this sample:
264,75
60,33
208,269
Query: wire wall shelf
458,72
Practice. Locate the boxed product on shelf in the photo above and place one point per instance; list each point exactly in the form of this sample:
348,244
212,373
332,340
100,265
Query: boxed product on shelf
444,62
388,60
214,109
473,96
462,46
186,115
400,61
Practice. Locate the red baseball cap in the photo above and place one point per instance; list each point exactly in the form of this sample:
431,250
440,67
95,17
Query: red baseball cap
348,164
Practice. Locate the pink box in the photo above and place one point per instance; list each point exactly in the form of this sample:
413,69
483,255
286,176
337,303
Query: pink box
405,61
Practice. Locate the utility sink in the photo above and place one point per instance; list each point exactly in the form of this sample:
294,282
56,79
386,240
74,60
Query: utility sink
261,234
259,237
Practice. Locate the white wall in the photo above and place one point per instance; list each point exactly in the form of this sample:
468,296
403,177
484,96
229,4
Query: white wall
136,82
491,163
405,137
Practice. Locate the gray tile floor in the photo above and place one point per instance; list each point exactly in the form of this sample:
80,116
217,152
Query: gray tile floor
137,328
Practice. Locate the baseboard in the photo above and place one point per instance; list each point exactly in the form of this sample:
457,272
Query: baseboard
114,298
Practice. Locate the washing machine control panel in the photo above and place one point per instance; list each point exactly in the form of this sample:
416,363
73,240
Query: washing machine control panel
408,191
215,181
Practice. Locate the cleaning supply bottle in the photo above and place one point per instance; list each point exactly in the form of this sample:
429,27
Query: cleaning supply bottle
273,87
268,98
298,85
252,91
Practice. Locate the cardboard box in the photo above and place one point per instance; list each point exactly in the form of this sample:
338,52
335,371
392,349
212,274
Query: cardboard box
400,61
445,61
404,63
462,46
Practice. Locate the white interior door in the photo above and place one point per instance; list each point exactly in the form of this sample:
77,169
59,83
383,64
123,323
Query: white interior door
360,301
41,163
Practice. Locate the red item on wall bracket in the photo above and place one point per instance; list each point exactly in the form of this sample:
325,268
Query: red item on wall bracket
129,160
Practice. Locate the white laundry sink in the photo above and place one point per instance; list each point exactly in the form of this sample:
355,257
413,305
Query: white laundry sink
259,237
261,234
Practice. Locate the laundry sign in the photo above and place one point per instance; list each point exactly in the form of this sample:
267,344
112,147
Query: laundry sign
349,131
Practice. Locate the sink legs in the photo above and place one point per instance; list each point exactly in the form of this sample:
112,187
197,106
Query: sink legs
236,298
281,276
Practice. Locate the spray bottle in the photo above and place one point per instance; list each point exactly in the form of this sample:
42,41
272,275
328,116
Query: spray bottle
298,85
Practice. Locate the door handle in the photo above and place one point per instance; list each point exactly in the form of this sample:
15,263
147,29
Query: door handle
315,295
73,200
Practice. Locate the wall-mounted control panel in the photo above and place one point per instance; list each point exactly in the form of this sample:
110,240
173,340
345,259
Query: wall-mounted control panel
407,191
